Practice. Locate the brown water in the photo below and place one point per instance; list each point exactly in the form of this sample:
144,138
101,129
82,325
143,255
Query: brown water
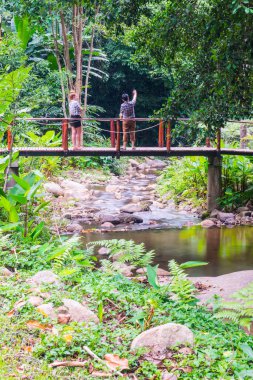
226,249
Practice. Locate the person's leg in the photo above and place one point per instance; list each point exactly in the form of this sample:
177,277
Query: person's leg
124,127
73,135
132,133
78,137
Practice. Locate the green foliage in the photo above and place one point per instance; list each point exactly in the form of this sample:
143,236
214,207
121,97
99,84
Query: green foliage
22,203
67,260
185,179
239,311
127,251
181,288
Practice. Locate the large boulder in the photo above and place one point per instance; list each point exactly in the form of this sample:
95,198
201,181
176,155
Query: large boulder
79,312
136,207
53,188
47,310
155,164
162,337
207,223
44,277
223,216
130,219
114,219
74,227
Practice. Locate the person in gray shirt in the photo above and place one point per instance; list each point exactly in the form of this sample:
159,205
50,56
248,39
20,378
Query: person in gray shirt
127,113
75,113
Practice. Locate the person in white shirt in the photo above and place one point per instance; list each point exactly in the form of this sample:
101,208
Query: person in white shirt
75,113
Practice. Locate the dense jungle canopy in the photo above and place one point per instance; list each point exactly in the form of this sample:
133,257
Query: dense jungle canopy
187,58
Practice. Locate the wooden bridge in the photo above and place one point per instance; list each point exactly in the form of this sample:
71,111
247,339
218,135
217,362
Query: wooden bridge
163,148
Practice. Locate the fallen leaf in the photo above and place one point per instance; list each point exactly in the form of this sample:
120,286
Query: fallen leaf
114,361
38,325
19,304
27,348
11,313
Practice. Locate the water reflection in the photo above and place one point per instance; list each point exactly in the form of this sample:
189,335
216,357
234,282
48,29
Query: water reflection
226,250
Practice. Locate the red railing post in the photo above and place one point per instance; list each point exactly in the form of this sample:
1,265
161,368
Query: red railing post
118,137
161,134
208,142
65,134
112,133
9,138
218,139
168,137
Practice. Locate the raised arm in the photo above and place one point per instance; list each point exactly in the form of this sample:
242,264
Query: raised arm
134,96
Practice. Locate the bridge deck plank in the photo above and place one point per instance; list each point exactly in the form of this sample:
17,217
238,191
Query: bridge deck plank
140,151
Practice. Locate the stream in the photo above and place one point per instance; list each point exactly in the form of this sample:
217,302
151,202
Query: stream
171,233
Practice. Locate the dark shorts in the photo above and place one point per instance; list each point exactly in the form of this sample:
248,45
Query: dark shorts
75,123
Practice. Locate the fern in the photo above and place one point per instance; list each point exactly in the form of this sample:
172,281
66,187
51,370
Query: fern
181,287
61,254
240,311
127,251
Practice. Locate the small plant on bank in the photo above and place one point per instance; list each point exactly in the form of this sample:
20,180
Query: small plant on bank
239,311
126,251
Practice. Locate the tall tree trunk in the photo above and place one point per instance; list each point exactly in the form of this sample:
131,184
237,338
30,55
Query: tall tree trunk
77,27
88,73
243,134
58,59
66,51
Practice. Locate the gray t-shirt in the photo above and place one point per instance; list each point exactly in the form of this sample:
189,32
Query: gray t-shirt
74,108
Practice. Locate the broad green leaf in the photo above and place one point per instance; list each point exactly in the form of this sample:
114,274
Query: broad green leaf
5,203
9,227
37,230
247,350
13,215
40,207
21,182
18,198
192,264
100,311
152,276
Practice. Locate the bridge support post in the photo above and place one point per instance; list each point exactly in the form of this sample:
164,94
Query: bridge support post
214,185
14,168
65,135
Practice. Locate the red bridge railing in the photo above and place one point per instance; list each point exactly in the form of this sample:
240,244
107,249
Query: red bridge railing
115,131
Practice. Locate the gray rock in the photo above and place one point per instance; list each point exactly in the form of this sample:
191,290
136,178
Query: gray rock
74,227
222,216
35,300
131,208
103,251
79,312
6,272
107,225
133,163
53,188
241,209
160,271
135,207
163,337
114,219
169,376
44,276
155,164
242,214
74,186
230,221
47,310
123,268
128,218
214,213
207,223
